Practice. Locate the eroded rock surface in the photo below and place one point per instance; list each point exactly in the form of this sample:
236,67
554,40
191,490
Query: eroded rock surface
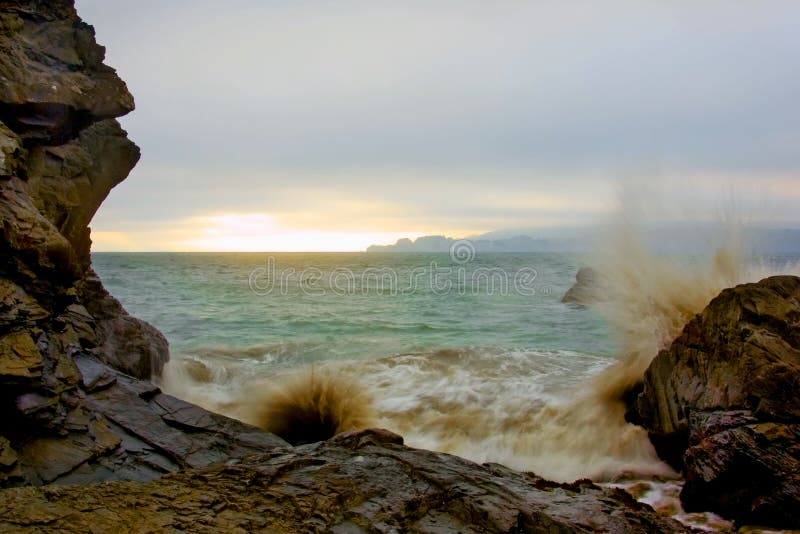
722,403
61,152
357,482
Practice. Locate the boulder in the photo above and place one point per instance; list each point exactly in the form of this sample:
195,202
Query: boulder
721,403
357,482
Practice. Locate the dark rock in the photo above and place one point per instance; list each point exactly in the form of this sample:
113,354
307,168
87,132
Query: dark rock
722,404
358,482
126,429
71,414
586,290
125,342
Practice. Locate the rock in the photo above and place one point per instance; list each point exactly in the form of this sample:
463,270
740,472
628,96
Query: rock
722,404
8,456
123,429
73,410
125,342
586,290
17,307
357,482
19,357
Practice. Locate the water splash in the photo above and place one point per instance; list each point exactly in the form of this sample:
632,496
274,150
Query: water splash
556,413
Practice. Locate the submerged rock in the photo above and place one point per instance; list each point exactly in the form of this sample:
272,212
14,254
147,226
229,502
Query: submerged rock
722,404
357,482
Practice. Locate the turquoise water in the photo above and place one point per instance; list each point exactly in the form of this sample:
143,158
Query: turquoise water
474,355
322,306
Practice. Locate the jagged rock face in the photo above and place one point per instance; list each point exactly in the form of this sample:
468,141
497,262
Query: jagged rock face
722,402
356,482
61,152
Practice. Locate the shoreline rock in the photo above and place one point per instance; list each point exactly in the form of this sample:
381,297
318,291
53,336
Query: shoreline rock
721,403
356,482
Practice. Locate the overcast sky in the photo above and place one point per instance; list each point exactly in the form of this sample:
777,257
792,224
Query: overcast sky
333,125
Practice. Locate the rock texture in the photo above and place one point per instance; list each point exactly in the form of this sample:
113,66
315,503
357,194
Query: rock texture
357,482
722,403
61,152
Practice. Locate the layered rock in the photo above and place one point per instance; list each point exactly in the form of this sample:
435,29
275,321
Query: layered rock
356,482
722,404
61,152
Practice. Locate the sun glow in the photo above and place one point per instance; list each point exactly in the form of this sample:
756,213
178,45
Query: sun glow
259,232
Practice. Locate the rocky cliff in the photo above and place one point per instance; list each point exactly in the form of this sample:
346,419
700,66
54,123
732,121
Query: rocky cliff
721,403
67,416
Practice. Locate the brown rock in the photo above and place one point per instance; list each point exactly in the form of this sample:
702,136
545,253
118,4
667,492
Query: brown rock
124,342
19,356
358,482
8,457
17,307
722,403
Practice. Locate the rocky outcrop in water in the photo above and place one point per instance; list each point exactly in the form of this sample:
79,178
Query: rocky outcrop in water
356,482
586,289
722,403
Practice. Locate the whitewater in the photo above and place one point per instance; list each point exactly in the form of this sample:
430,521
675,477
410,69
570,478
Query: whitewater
464,353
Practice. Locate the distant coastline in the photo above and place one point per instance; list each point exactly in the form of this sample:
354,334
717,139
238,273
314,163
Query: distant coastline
520,243
773,241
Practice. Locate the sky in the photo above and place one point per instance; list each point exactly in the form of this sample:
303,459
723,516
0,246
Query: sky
311,125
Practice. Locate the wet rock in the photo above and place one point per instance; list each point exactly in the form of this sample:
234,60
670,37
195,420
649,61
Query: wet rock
358,482
125,342
122,429
722,404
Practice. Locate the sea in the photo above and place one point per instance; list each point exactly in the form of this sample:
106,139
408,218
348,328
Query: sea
468,353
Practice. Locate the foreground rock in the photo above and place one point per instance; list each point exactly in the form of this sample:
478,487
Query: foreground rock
120,428
722,403
357,482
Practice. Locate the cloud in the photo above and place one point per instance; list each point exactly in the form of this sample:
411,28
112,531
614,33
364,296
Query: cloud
459,115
